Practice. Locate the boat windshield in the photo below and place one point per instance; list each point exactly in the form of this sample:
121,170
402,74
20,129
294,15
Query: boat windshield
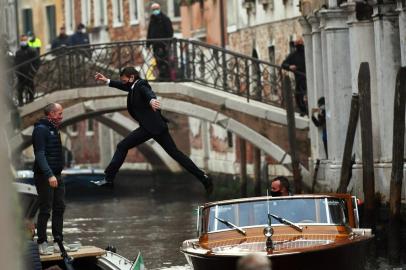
320,211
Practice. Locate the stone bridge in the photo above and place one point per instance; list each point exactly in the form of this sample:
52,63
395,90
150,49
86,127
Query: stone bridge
236,92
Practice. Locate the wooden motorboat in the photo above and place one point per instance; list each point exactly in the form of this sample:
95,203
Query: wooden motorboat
295,232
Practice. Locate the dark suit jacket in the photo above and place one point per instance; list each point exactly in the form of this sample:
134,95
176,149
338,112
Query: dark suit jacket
139,108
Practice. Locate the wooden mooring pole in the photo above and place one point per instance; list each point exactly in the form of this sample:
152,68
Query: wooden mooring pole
398,146
368,177
346,167
243,167
290,115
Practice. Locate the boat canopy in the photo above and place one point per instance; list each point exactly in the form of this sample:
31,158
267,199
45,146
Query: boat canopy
300,210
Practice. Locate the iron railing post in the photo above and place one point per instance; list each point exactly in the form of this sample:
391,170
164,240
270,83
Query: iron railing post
119,57
70,69
181,61
193,66
237,76
224,67
174,60
247,75
187,65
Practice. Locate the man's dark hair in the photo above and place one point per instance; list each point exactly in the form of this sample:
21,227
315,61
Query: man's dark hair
49,108
284,181
129,71
321,101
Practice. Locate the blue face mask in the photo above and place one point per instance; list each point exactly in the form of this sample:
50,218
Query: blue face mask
156,12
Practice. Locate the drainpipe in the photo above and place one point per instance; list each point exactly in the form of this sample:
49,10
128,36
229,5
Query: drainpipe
222,24
223,44
17,23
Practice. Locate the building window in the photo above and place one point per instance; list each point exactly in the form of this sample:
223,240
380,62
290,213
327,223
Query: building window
100,14
231,13
69,18
230,139
291,44
51,19
85,8
134,11
271,52
27,20
117,13
90,127
176,8
73,129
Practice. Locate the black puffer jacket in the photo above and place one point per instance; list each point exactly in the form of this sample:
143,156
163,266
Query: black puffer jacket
47,149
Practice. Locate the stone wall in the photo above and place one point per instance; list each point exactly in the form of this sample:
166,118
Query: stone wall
277,34
340,39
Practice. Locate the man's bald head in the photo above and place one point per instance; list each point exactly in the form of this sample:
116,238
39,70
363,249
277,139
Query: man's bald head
155,6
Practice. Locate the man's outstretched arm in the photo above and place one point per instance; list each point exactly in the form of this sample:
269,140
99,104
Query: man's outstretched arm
111,83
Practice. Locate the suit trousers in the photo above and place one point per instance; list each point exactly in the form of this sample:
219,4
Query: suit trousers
139,136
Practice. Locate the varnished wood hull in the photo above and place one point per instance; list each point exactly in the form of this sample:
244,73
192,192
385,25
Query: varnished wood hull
349,256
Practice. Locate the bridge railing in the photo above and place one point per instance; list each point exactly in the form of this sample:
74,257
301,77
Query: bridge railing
158,60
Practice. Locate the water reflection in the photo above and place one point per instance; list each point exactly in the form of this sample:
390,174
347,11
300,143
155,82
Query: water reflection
141,214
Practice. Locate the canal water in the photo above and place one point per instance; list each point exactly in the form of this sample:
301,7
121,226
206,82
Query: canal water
154,214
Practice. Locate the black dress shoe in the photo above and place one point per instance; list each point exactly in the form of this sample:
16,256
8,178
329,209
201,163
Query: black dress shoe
105,182
208,184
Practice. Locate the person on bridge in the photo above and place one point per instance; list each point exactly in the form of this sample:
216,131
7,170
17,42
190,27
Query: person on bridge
34,42
160,26
295,62
144,107
26,64
47,169
80,37
60,41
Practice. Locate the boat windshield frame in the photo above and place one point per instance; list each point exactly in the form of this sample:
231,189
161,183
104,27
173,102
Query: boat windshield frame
335,211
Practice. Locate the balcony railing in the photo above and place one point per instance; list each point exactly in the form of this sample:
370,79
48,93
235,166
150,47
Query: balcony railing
159,60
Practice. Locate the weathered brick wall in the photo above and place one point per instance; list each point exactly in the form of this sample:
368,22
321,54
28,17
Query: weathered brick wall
276,33
308,6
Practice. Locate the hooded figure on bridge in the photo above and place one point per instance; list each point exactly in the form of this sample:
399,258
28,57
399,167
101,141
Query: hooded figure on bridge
295,62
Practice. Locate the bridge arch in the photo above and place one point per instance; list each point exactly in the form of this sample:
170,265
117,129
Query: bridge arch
97,107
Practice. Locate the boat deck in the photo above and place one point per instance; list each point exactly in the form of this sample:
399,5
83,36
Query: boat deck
85,251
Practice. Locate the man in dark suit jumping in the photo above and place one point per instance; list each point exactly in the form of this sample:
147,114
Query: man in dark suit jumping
144,107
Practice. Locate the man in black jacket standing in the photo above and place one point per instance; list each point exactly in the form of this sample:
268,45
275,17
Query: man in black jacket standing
160,26
143,106
295,62
60,41
47,174
26,70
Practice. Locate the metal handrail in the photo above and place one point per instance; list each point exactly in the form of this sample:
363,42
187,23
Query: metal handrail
177,60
